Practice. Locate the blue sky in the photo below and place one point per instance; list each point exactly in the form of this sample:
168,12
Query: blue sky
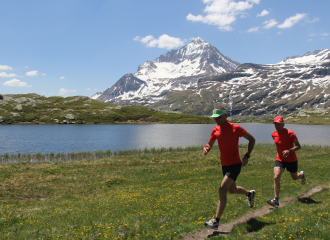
79,47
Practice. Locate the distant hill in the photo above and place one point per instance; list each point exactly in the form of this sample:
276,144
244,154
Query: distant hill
36,109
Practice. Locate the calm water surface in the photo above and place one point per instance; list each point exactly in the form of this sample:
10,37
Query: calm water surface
68,138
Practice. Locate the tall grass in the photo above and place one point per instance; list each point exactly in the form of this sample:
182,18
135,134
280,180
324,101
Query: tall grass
71,156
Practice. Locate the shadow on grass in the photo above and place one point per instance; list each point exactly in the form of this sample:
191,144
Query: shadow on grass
256,225
308,200
217,233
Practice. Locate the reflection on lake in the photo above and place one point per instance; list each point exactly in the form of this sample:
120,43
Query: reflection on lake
68,138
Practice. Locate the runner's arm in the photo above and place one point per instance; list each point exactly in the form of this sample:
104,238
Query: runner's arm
251,143
294,149
208,146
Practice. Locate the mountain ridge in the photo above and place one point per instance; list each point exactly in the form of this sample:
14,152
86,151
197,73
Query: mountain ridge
248,89
176,70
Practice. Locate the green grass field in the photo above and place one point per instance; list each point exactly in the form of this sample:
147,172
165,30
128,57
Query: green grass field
157,196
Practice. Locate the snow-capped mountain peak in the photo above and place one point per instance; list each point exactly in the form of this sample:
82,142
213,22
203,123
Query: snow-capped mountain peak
318,56
173,71
197,58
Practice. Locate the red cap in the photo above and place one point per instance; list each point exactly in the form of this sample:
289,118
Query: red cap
278,119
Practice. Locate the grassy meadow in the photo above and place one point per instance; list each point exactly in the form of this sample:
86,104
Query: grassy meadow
157,195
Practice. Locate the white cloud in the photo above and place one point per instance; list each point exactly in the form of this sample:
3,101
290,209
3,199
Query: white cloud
263,13
222,13
163,41
147,39
44,74
65,91
62,77
5,67
31,73
289,22
194,38
325,34
255,29
26,67
137,38
88,89
15,83
314,20
4,74
270,23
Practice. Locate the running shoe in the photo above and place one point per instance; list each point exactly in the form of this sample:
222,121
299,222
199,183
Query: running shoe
273,202
212,224
251,198
303,179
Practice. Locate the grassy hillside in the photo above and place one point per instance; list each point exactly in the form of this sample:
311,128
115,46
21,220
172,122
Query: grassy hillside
36,109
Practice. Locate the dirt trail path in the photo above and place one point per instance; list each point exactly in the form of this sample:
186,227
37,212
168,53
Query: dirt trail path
226,228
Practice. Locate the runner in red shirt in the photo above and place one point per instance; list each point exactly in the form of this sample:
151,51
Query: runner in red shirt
286,143
227,134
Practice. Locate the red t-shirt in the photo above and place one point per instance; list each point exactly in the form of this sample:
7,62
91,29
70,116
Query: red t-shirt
284,141
228,137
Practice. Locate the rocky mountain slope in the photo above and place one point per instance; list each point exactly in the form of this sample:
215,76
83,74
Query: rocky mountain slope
203,78
260,90
177,70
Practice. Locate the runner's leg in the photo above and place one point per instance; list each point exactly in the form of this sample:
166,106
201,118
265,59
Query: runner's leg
238,190
295,176
227,182
277,180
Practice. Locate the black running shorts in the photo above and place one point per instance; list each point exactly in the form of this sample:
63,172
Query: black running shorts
232,171
292,167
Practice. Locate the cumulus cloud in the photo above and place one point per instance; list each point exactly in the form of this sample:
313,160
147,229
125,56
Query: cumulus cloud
4,74
163,41
63,91
263,13
5,67
44,74
15,83
222,13
62,77
270,23
31,73
289,22
147,39
255,29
